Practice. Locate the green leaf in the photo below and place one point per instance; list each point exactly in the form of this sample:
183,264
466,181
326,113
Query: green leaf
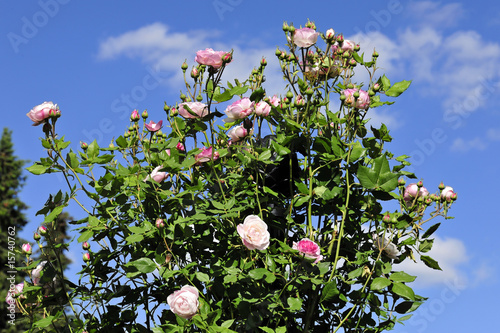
37,169
380,283
143,265
398,88
403,290
294,303
72,160
267,329
431,230
121,142
85,236
134,238
202,277
428,261
426,245
329,291
402,277
257,95
93,150
54,214
238,90
42,323
257,273
379,176
386,83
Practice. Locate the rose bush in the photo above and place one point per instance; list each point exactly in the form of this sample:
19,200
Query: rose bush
181,211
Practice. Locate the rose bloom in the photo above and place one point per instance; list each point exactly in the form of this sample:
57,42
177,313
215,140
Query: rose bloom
206,155
253,233
412,191
262,109
383,244
305,37
157,175
43,111
35,274
154,127
309,249
447,192
237,133
363,101
18,288
239,109
210,57
275,100
184,302
198,108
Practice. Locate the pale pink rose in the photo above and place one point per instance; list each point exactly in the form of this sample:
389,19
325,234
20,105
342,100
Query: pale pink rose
239,109
206,155
157,175
199,109
210,57
363,101
413,190
154,127
18,289
347,45
43,111
275,101
330,33
237,133
184,302
26,248
447,193
262,109
309,249
254,233
305,37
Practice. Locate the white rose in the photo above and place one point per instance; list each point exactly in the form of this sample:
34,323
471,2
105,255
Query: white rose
184,302
254,233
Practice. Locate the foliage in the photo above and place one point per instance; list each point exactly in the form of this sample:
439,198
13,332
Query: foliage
167,207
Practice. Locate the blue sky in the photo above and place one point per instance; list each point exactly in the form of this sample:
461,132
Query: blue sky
101,59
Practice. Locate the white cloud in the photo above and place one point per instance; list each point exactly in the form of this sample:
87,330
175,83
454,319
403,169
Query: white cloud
450,253
493,134
164,50
460,145
383,116
432,13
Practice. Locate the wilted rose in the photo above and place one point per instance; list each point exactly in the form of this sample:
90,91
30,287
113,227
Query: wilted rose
253,233
18,289
383,244
199,109
43,111
305,37
184,302
210,57
363,101
35,274
309,249
239,109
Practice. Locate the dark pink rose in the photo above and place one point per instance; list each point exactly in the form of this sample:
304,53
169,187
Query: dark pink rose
206,155
309,249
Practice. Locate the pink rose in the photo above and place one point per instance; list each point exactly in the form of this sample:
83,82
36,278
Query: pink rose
254,233
237,133
26,248
275,101
199,109
447,193
154,127
363,101
184,302
239,109
413,190
135,116
305,37
262,109
180,147
206,155
157,175
43,111
309,249
86,257
210,57
18,288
